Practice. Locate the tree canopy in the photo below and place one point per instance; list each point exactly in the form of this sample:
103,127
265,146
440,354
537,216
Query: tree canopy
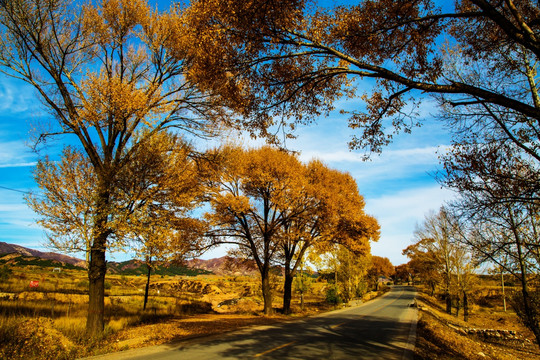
287,62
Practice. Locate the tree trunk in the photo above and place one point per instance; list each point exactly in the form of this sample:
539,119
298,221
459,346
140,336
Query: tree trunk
95,322
287,291
147,288
97,268
529,308
465,306
266,292
448,299
503,294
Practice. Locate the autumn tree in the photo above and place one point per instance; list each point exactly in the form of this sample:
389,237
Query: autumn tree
152,200
380,266
302,283
423,265
353,272
160,188
465,278
65,202
403,273
435,237
499,213
104,71
331,213
252,194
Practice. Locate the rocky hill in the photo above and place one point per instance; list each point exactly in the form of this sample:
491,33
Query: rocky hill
225,265
6,248
138,267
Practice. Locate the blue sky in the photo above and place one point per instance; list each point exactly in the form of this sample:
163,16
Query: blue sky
397,185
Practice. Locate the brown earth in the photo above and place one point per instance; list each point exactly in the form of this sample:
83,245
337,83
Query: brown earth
488,334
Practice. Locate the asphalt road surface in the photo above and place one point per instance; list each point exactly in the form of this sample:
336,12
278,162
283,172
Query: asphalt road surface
384,328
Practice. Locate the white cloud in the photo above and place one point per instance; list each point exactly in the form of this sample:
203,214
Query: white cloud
398,213
17,97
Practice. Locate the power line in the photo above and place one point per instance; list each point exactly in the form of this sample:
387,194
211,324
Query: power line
10,189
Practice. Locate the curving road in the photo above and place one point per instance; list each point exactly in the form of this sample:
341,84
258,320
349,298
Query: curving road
384,328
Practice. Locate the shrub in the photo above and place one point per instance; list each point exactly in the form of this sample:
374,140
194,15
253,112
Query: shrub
5,273
332,295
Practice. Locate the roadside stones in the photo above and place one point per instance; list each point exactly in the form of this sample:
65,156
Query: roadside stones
493,333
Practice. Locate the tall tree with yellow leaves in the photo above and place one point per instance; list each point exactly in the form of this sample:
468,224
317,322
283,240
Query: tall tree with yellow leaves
332,212
252,194
150,201
104,71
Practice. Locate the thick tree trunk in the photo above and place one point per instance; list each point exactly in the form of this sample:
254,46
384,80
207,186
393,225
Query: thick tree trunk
287,291
97,268
266,292
95,322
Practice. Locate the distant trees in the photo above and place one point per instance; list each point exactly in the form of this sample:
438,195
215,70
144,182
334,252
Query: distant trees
380,266
105,72
274,207
438,256
403,273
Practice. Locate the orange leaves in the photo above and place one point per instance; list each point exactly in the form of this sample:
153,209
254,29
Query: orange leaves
108,97
266,195
114,19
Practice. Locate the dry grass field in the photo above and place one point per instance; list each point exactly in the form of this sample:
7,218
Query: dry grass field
48,321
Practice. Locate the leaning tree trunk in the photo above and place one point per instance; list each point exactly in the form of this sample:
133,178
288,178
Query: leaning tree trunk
147,288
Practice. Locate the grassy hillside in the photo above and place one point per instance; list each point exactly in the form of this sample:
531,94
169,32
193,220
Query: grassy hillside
136,267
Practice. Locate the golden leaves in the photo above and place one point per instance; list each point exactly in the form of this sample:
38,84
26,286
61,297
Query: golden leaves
268,195
111,97
114,19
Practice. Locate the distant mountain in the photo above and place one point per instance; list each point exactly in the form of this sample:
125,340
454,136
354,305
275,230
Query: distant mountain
138,267
16,259
225,265
6,248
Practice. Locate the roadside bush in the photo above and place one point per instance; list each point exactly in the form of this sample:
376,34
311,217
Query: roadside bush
332,295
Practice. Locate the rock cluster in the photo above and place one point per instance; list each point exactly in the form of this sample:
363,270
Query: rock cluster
493,333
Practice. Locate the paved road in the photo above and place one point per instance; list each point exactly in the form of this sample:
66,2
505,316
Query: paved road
384,328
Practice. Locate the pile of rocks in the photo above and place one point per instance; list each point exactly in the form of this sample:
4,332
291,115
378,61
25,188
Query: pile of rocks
493,333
